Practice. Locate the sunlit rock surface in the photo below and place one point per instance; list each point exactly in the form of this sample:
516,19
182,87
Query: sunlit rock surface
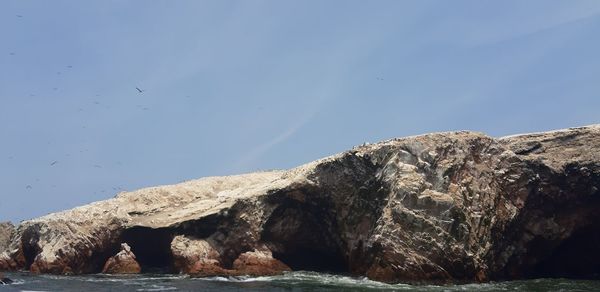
455,206
6,231
123,262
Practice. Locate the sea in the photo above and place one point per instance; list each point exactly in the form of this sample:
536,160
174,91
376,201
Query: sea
292,281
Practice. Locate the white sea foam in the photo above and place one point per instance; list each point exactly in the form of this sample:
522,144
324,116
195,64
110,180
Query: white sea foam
157,288
314,278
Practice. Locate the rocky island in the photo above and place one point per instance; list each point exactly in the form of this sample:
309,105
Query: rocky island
453,206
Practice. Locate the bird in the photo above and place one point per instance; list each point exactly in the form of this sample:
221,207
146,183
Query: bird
19,16
53,163
69,66
138,89
28,187
379,78
97,166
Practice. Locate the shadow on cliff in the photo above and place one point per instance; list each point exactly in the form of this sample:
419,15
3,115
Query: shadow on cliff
558,233
305,236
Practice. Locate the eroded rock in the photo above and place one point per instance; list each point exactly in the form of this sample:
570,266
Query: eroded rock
195,256
456,206
123,262
259,263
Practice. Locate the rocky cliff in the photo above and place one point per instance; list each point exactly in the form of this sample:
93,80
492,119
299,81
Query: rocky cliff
6,231
455,206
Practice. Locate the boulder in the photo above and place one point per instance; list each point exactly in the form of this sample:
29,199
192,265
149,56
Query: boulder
259,263
198,257
453,206
195,256
122,263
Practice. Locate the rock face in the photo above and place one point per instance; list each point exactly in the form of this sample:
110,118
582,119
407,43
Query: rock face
122,263
6,231
456,206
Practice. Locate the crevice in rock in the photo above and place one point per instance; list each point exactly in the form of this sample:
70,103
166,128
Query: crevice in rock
152,248
29,243
305,236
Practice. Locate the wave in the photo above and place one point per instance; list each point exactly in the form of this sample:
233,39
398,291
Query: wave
312,278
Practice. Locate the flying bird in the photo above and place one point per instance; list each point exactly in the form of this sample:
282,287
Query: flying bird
28,187
139,90
19,16
53,163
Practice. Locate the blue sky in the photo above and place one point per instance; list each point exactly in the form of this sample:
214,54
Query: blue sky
238,86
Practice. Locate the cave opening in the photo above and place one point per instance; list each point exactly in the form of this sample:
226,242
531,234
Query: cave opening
152,248
578,257
311,259
29,242
305,237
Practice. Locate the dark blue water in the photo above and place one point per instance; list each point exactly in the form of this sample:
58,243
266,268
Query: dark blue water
294,281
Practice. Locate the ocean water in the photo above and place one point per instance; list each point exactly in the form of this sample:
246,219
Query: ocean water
293,281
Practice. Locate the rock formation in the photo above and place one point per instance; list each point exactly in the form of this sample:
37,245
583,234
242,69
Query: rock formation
122,263
455,206
6,231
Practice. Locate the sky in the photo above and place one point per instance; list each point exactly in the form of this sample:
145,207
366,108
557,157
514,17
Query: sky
232,87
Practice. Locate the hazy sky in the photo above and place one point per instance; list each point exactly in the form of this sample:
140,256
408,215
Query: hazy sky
239,86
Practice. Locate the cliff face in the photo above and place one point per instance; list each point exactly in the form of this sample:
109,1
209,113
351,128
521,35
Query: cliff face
445,206
6,231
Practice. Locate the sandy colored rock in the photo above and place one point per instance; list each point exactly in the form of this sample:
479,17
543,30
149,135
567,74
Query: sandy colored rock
454,206
195,256
123,262
6,231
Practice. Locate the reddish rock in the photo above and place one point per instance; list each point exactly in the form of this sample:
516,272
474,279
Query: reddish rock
198,257
259,263
122,263
208,268
6,263
195,256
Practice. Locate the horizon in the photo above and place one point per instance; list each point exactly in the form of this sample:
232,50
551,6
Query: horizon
103,97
